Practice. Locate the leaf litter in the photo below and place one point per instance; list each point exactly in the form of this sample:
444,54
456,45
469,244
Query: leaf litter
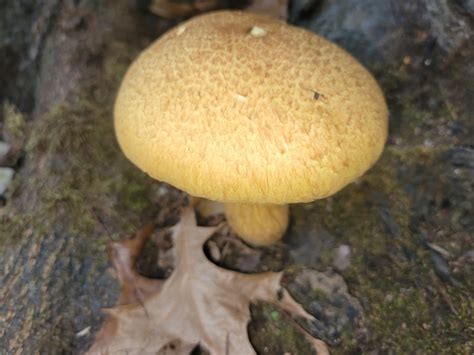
199,304
171,9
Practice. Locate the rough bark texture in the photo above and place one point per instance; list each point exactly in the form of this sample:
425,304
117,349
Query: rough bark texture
407,223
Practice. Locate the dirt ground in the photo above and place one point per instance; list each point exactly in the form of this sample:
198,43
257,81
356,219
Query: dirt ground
400,238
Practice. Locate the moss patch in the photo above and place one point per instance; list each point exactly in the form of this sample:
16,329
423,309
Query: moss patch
408,308
75,172
271,332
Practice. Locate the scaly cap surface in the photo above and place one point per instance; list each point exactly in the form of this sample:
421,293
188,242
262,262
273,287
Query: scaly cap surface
232,114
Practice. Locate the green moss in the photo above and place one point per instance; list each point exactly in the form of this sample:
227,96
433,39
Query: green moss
132,192
412,319
272,332
408,309
14,123
81,179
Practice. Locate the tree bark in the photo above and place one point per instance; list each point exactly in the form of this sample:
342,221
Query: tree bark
62,210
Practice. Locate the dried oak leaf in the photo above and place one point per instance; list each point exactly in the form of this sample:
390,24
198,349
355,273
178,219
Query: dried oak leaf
200,303
173,8
275,8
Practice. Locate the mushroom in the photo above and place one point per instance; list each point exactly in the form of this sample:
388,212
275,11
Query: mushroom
246,110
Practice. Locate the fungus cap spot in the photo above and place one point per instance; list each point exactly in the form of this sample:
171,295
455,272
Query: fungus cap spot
258,31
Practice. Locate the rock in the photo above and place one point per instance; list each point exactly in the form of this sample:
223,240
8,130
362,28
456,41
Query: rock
329,300
342,257
364,28
6,176
440,266
381,31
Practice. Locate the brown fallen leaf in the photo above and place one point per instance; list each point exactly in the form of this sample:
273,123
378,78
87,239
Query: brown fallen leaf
275,8
200,303
173,8
184,8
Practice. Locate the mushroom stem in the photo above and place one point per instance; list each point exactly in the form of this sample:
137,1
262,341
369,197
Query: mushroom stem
258,224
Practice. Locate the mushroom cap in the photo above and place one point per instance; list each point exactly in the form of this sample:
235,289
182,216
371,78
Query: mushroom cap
239,107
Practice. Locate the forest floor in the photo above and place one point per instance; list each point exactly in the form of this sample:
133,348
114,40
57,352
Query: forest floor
401,237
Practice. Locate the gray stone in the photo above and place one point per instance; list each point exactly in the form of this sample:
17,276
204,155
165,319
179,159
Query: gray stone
6,176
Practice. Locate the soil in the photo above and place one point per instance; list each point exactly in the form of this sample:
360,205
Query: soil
406,227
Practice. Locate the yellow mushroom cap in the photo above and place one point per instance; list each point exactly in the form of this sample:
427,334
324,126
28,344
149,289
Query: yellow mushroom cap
239,107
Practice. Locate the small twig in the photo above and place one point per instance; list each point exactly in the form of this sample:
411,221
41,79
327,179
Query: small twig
316,95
